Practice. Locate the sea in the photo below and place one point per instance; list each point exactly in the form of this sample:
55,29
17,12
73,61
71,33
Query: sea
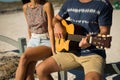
9,0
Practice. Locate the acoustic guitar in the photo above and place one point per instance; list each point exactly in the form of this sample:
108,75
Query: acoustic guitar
74,36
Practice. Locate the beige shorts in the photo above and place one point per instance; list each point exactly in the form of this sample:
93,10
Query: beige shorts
90,63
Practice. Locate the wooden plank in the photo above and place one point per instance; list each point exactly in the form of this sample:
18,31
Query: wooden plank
20,44
9,41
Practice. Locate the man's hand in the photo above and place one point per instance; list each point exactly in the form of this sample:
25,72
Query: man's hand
84,42
59,31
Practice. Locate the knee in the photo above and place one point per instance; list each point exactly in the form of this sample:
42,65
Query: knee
41,70
24,60
93,76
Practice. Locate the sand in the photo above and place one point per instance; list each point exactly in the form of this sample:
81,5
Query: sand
14,25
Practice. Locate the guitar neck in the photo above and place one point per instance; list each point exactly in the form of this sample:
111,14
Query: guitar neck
77,38
98,41
76,33
74,37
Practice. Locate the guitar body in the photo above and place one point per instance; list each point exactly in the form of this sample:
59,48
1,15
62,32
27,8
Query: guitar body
62,44
66,44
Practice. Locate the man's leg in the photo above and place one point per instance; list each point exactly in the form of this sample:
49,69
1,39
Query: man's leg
93,76
61,61
93,67
46,67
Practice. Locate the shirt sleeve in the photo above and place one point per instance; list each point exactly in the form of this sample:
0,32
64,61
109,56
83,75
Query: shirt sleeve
105,17
63,11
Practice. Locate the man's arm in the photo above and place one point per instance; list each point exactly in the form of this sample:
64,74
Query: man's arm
59,30
105,30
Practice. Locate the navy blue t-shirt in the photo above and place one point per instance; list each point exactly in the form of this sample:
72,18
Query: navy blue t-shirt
90,15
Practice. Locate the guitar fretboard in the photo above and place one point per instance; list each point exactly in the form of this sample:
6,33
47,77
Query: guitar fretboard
75,37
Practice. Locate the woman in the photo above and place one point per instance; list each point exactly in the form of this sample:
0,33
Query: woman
39,14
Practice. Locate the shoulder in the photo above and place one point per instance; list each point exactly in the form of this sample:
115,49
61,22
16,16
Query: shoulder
47,4
69,3
103,4
25,6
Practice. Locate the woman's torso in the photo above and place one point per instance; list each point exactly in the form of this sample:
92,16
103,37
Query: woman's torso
37,19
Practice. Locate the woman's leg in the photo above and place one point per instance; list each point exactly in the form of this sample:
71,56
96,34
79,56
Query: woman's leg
30,55
30,71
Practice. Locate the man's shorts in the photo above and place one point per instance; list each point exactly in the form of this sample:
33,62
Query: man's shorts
89,63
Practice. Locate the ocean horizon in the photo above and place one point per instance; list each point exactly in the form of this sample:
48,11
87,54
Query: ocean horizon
9,0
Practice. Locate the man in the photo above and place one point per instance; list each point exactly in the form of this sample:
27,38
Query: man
96,17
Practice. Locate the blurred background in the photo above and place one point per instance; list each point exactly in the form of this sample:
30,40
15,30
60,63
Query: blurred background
13,25
12,5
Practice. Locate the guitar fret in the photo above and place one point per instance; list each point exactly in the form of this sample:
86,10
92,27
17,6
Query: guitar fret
75,37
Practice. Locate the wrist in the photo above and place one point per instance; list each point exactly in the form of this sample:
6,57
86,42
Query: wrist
56,24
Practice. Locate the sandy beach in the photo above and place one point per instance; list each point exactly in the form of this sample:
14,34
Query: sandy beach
14,25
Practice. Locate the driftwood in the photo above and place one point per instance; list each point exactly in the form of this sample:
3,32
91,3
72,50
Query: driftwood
8,65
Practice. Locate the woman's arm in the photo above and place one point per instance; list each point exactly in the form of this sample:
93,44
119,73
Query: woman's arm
50,14
24,10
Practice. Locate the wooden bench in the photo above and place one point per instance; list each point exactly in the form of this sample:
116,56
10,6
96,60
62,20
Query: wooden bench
20,44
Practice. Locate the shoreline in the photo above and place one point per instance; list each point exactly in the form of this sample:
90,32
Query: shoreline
16,6
10,7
